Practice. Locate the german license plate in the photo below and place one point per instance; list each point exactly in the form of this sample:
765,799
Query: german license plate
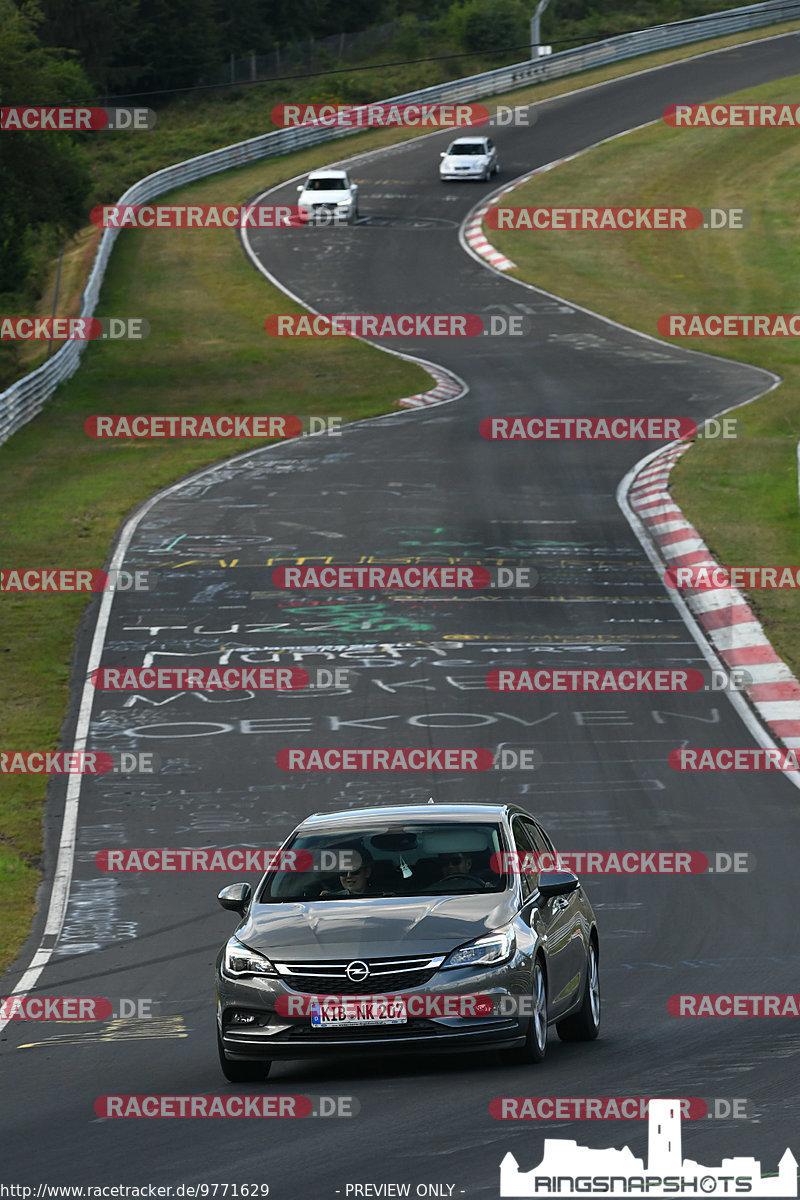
369,1010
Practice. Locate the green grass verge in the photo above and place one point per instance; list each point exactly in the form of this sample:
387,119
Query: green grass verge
740,494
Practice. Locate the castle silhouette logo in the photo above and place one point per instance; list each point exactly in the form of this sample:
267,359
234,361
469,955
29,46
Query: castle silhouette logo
568,1169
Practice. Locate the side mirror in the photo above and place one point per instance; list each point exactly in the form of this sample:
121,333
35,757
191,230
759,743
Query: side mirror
354,187
442,154
236,897
557,883
300,187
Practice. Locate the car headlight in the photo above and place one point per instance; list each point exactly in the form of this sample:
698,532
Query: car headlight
343,203
239,960
485,951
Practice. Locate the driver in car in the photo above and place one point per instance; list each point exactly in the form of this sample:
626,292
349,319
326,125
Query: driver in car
454,864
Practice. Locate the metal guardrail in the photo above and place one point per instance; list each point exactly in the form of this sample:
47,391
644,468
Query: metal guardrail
24,400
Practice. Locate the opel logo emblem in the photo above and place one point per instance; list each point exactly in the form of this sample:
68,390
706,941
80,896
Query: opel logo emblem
357,971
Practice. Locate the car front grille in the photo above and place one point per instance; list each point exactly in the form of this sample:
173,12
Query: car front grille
385,975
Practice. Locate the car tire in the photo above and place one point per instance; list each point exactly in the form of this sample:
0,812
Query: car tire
244,1071
584,1025
535,1046
497,168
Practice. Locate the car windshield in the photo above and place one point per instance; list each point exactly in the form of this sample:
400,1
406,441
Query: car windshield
467,148
328,183
402,859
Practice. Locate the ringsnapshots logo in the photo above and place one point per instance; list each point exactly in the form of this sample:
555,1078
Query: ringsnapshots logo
570,1170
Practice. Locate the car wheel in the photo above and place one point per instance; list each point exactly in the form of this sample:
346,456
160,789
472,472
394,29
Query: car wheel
536,1042
497,168
253,1071
584,1025
487,174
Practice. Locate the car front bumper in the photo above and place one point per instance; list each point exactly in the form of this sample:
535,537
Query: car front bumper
273,1036
471,173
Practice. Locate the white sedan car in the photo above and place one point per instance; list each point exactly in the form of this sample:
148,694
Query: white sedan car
469,158
329,196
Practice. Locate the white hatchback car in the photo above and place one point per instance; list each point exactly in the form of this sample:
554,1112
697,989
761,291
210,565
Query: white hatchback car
329,196
469,158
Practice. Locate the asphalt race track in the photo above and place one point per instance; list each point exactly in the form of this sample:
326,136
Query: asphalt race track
423,485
